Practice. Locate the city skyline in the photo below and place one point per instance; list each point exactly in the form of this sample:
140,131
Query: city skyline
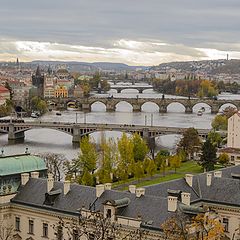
136,33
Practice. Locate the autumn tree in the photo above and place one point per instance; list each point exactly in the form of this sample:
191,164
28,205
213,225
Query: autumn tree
138,170
223,159
215,138
208,156
126,159
175,161
161,160
151,168
203,226
140,148
189,143
207,89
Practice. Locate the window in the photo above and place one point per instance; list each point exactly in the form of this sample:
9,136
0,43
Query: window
17,223
225,224
109,213
59,233
232,158
30,226
45,230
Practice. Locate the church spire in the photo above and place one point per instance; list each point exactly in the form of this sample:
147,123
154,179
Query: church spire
38,71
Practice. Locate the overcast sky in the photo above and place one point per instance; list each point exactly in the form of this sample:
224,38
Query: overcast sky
136,32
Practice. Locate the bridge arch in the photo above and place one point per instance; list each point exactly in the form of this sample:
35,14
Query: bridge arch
225,105
202,105
148,90
176,106
132,90
149,107
123,106
98,106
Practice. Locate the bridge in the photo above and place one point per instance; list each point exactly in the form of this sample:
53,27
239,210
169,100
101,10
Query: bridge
85,104
139,88
132,81
16,131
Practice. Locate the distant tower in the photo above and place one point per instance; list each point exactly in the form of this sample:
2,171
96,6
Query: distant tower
18,64
227,57
38,81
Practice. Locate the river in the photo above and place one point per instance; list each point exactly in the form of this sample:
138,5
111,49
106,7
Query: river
46,140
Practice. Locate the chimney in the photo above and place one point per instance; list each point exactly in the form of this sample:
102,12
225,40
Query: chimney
132,188
66,187
99,190
34,174
24,178
185,198
172,203
218,174
108,186
140,192
209,179
189,179
50,182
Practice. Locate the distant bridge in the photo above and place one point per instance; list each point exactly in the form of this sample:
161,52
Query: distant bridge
132,81
16,131
139,88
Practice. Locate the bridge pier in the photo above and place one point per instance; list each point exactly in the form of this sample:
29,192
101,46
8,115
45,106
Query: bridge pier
140,90
119,90
76,136
163,108
15,137
110,108
86,107
188,109
136,108
214,109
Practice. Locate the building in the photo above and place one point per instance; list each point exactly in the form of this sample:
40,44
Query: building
40,203
233,137
61,91
78,92
4,95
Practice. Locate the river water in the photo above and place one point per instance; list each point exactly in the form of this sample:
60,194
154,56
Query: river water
46,140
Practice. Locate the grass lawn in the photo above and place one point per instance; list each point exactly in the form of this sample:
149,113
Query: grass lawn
186,167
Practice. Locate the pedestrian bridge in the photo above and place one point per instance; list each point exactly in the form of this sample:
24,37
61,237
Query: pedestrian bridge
16,131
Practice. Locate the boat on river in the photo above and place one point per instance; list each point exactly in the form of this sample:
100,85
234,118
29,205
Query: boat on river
58,114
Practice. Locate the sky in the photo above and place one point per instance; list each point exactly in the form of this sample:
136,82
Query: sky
135,32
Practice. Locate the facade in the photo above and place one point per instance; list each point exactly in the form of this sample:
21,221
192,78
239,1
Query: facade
61,91
78,92
41,208
233,138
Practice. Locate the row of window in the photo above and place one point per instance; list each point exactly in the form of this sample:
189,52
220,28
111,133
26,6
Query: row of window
31,227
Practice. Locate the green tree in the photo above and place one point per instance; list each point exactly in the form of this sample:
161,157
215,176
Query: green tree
219,122
140,148
189,143
208,157
223,159
105,86
215,138
161,162
87,179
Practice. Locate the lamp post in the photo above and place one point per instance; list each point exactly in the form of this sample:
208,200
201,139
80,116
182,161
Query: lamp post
145,120
76,117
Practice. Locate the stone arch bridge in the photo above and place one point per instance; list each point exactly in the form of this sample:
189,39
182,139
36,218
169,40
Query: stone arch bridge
137,103
16,131
139,88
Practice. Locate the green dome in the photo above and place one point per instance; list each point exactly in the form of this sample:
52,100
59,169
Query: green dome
10,165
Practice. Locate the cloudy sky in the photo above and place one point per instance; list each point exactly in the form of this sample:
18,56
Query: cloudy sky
136,32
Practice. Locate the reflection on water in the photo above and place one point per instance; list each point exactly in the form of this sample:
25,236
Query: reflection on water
45,140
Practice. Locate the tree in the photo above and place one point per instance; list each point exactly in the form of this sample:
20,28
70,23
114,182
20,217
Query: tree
175,161
92,225
203,226
138,170
151,168
219,122
105,86
126,160
207,89
161,161
223,159
215,138
109,157
9,89
189,143
140,148
208,156
55,164
87,179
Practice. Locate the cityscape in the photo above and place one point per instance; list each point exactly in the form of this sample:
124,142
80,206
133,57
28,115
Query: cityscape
120,120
